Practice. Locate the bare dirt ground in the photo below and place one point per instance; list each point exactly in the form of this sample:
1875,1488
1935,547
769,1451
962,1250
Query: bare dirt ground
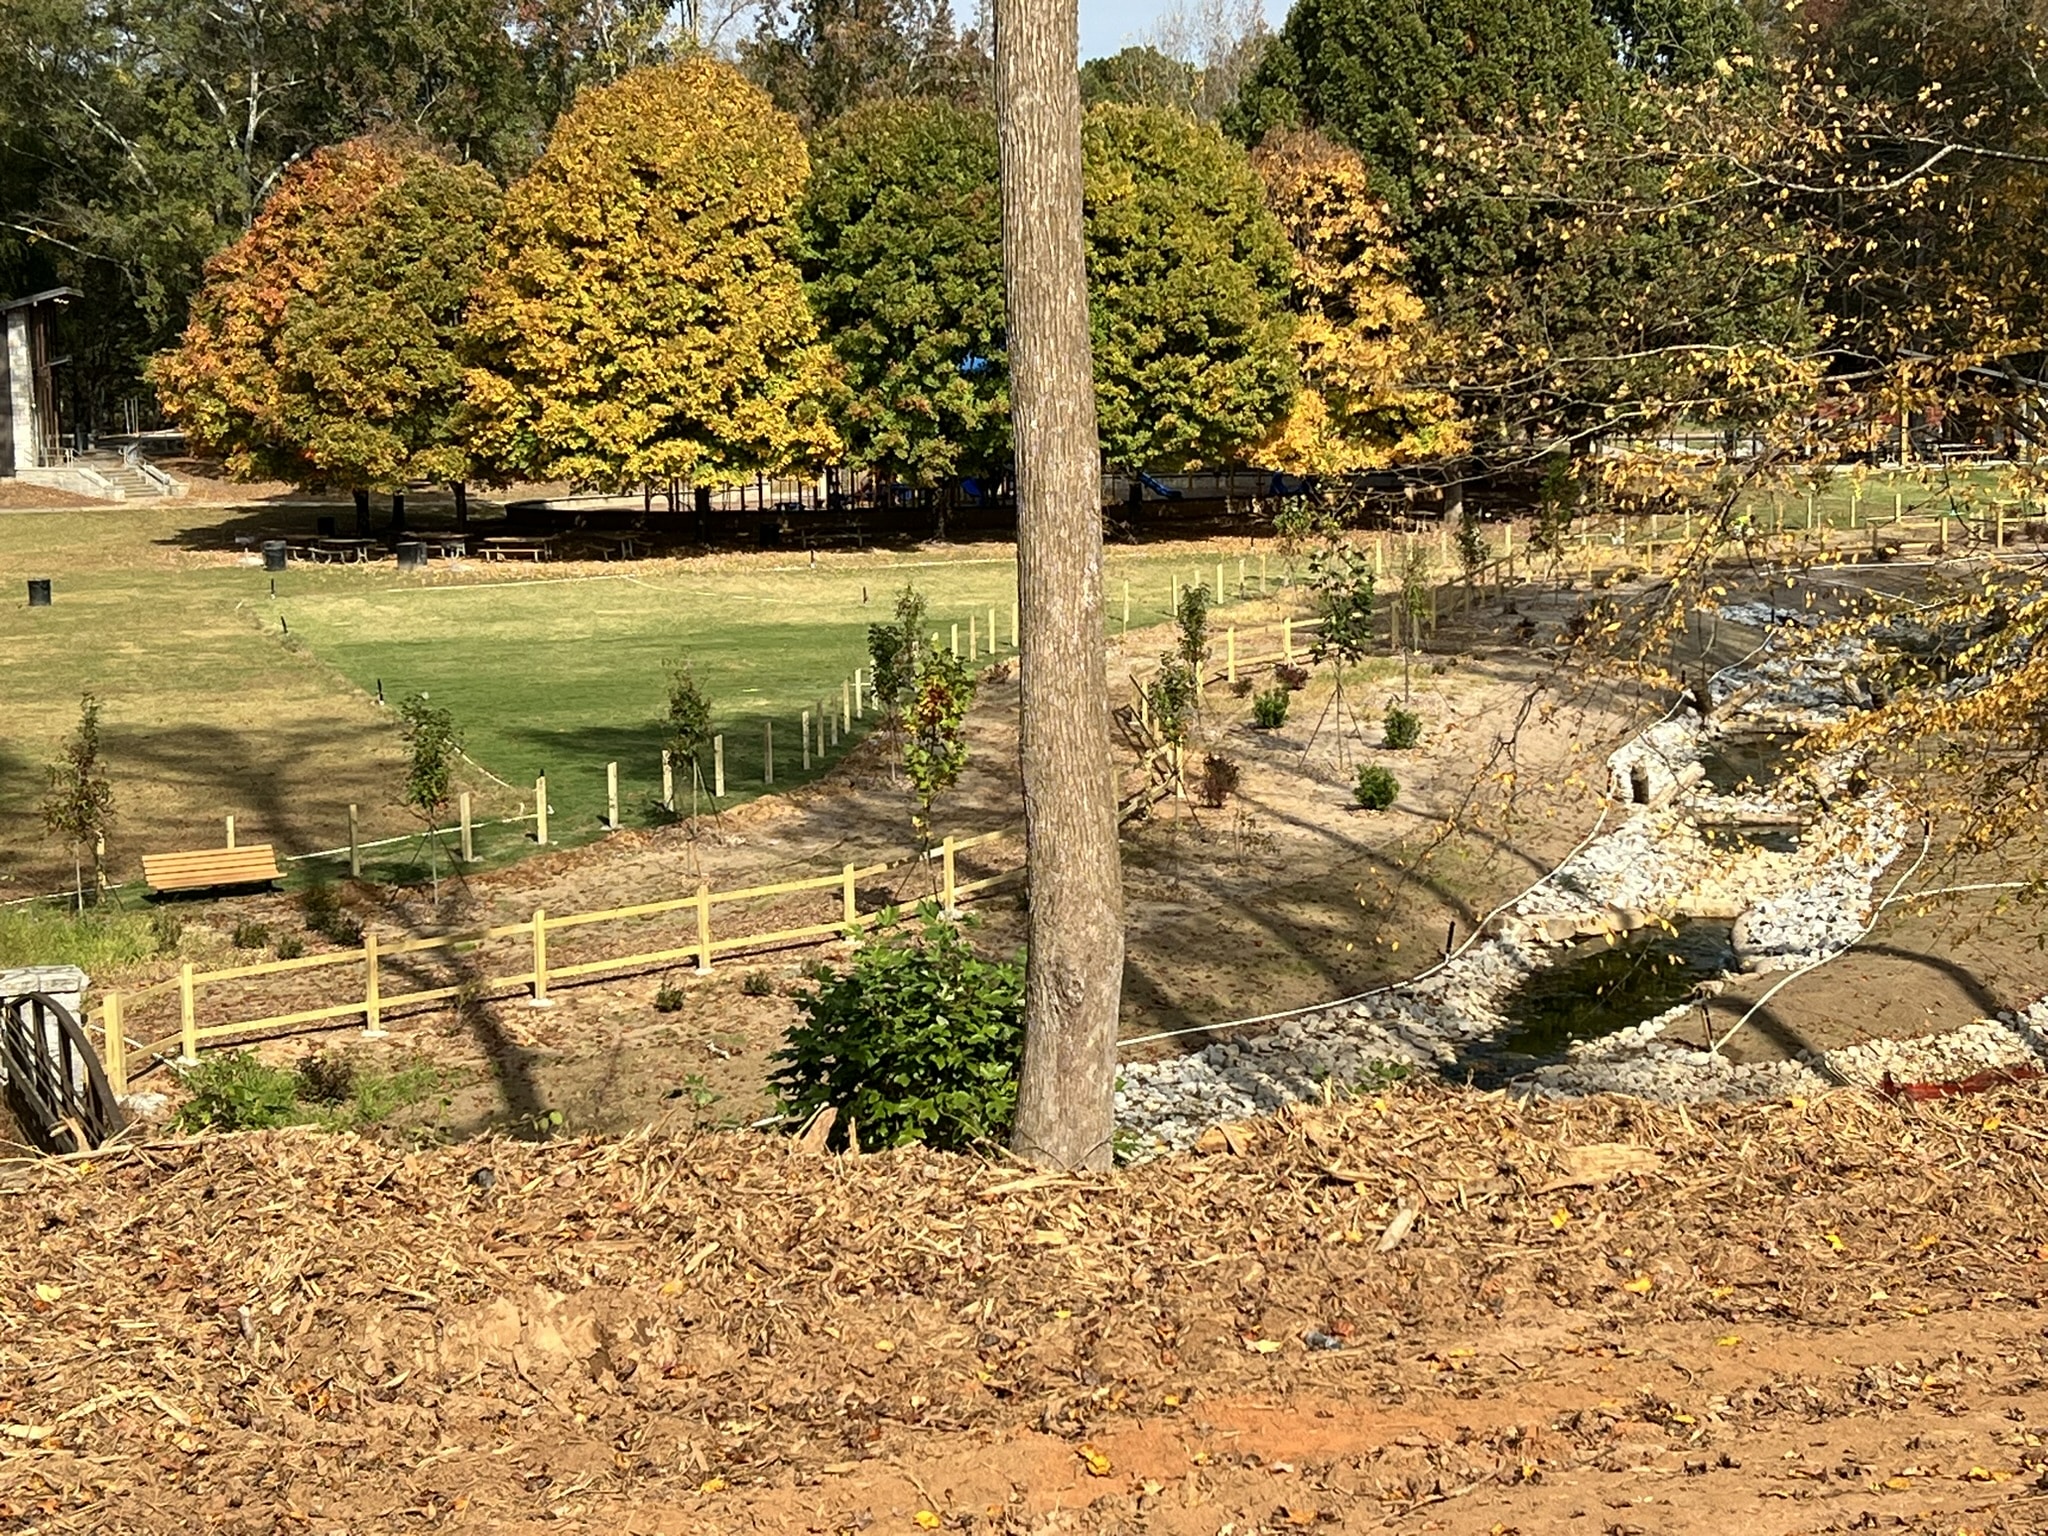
1434,1311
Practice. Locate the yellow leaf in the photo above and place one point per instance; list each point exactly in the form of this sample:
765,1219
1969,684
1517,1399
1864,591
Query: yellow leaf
1834,1242
1640,1285
1096,1463
1993,1122
927,1519
48,1292
1263,1346
1898,1484
712,1485
1559,1217
885,1345
1729,1340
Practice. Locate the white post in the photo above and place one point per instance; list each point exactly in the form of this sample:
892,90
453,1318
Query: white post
973,636
468,845
355,846
806,728
668,781
954,644
540,810
718,767
611,796
768,752
845,708
231,831
860,703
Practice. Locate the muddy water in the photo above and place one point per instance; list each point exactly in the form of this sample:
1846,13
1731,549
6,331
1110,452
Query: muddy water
1596,987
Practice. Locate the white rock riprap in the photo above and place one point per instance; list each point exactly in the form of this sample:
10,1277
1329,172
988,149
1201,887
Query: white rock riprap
1792,907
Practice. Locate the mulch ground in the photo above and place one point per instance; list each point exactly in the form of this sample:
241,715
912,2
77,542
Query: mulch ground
1430,1310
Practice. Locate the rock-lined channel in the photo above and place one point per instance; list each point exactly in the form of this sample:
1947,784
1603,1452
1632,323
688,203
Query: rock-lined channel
1793,867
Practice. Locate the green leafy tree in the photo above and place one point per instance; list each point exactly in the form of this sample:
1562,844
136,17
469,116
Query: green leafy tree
1139,76
893,651
433,747
821,59
902,254
80,805
642,320
1188,281
686,726
918,1040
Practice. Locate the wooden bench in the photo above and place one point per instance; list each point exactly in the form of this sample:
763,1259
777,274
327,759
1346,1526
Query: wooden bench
209,868
518,549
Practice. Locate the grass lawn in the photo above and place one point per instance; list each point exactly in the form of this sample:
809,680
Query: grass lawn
222,699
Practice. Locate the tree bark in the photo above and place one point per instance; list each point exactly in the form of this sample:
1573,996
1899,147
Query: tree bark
1074,968
461,492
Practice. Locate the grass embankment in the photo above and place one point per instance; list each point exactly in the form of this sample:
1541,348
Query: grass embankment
230,692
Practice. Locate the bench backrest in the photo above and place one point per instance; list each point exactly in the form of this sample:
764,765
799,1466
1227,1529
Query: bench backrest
254,864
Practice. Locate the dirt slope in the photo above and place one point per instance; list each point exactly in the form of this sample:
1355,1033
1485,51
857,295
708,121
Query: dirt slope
1763,1319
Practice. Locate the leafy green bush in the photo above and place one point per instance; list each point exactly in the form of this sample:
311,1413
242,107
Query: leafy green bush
1291,676
1404,728
757,984
1269,707
1377,788
234,1091
669,998
918,1040
167,929
99,940
251,935
290,946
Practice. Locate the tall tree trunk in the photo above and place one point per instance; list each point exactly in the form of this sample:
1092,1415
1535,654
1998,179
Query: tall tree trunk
361,496
461,491
1074,970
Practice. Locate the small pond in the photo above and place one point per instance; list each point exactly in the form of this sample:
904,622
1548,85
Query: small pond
1740,764
1596,988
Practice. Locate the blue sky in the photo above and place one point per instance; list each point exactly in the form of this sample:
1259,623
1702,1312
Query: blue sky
1107,25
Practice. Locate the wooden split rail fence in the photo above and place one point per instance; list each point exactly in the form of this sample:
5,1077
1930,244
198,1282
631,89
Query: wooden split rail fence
406,973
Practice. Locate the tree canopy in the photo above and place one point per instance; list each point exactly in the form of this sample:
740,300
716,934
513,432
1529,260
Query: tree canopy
322,346
641,318
1188,278
902,250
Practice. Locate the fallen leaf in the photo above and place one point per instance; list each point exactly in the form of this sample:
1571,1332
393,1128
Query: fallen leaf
1641,1285
1097,1464
1834,1241
1300,1516
1263,1346
927,1519
48,1292
1559,1217
885,1345
1397,1229
1598,1163
814,1135
1729,1340
712,1485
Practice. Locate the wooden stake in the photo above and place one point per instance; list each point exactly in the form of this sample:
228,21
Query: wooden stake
611,796
115,1048
703,929
540,810
718,767
373,992
951,907
806,726
860,704
845,709
668,782
849,912
955,643
768,752
540,956
231,831
355,846
973,636
468,842
188,1020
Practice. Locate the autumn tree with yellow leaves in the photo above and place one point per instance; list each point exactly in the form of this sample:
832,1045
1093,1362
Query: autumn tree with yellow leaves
1360,334
643,320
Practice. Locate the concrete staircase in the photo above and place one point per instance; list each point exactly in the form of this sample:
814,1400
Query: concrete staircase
108,475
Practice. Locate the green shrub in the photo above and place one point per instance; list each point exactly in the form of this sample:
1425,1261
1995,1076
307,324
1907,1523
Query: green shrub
251,935
290,946
1269,708
757,984
319,904
234,1091
99,940
1404,728
1217,781
326,1078
1290,676
167,929
1377,788
918,1040
669,998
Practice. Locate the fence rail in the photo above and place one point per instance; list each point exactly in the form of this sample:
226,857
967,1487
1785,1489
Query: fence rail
128,1035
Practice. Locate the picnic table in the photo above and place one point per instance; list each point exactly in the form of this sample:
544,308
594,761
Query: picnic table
346,551
445,545
613,546
513,548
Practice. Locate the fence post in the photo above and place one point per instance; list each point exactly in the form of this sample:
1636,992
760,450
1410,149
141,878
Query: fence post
973,636
373,991
953,641
355,846
116,1051
952,910
849,910
668,781
1230,653
703,930
468,840
188,1023
540,810
860,704
768,752
1898,507
805,724
611,796
845,709
718,767
231,831
540,956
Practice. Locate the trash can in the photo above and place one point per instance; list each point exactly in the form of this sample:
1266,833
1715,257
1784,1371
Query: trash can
39,592
274,554
327,527
412,555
